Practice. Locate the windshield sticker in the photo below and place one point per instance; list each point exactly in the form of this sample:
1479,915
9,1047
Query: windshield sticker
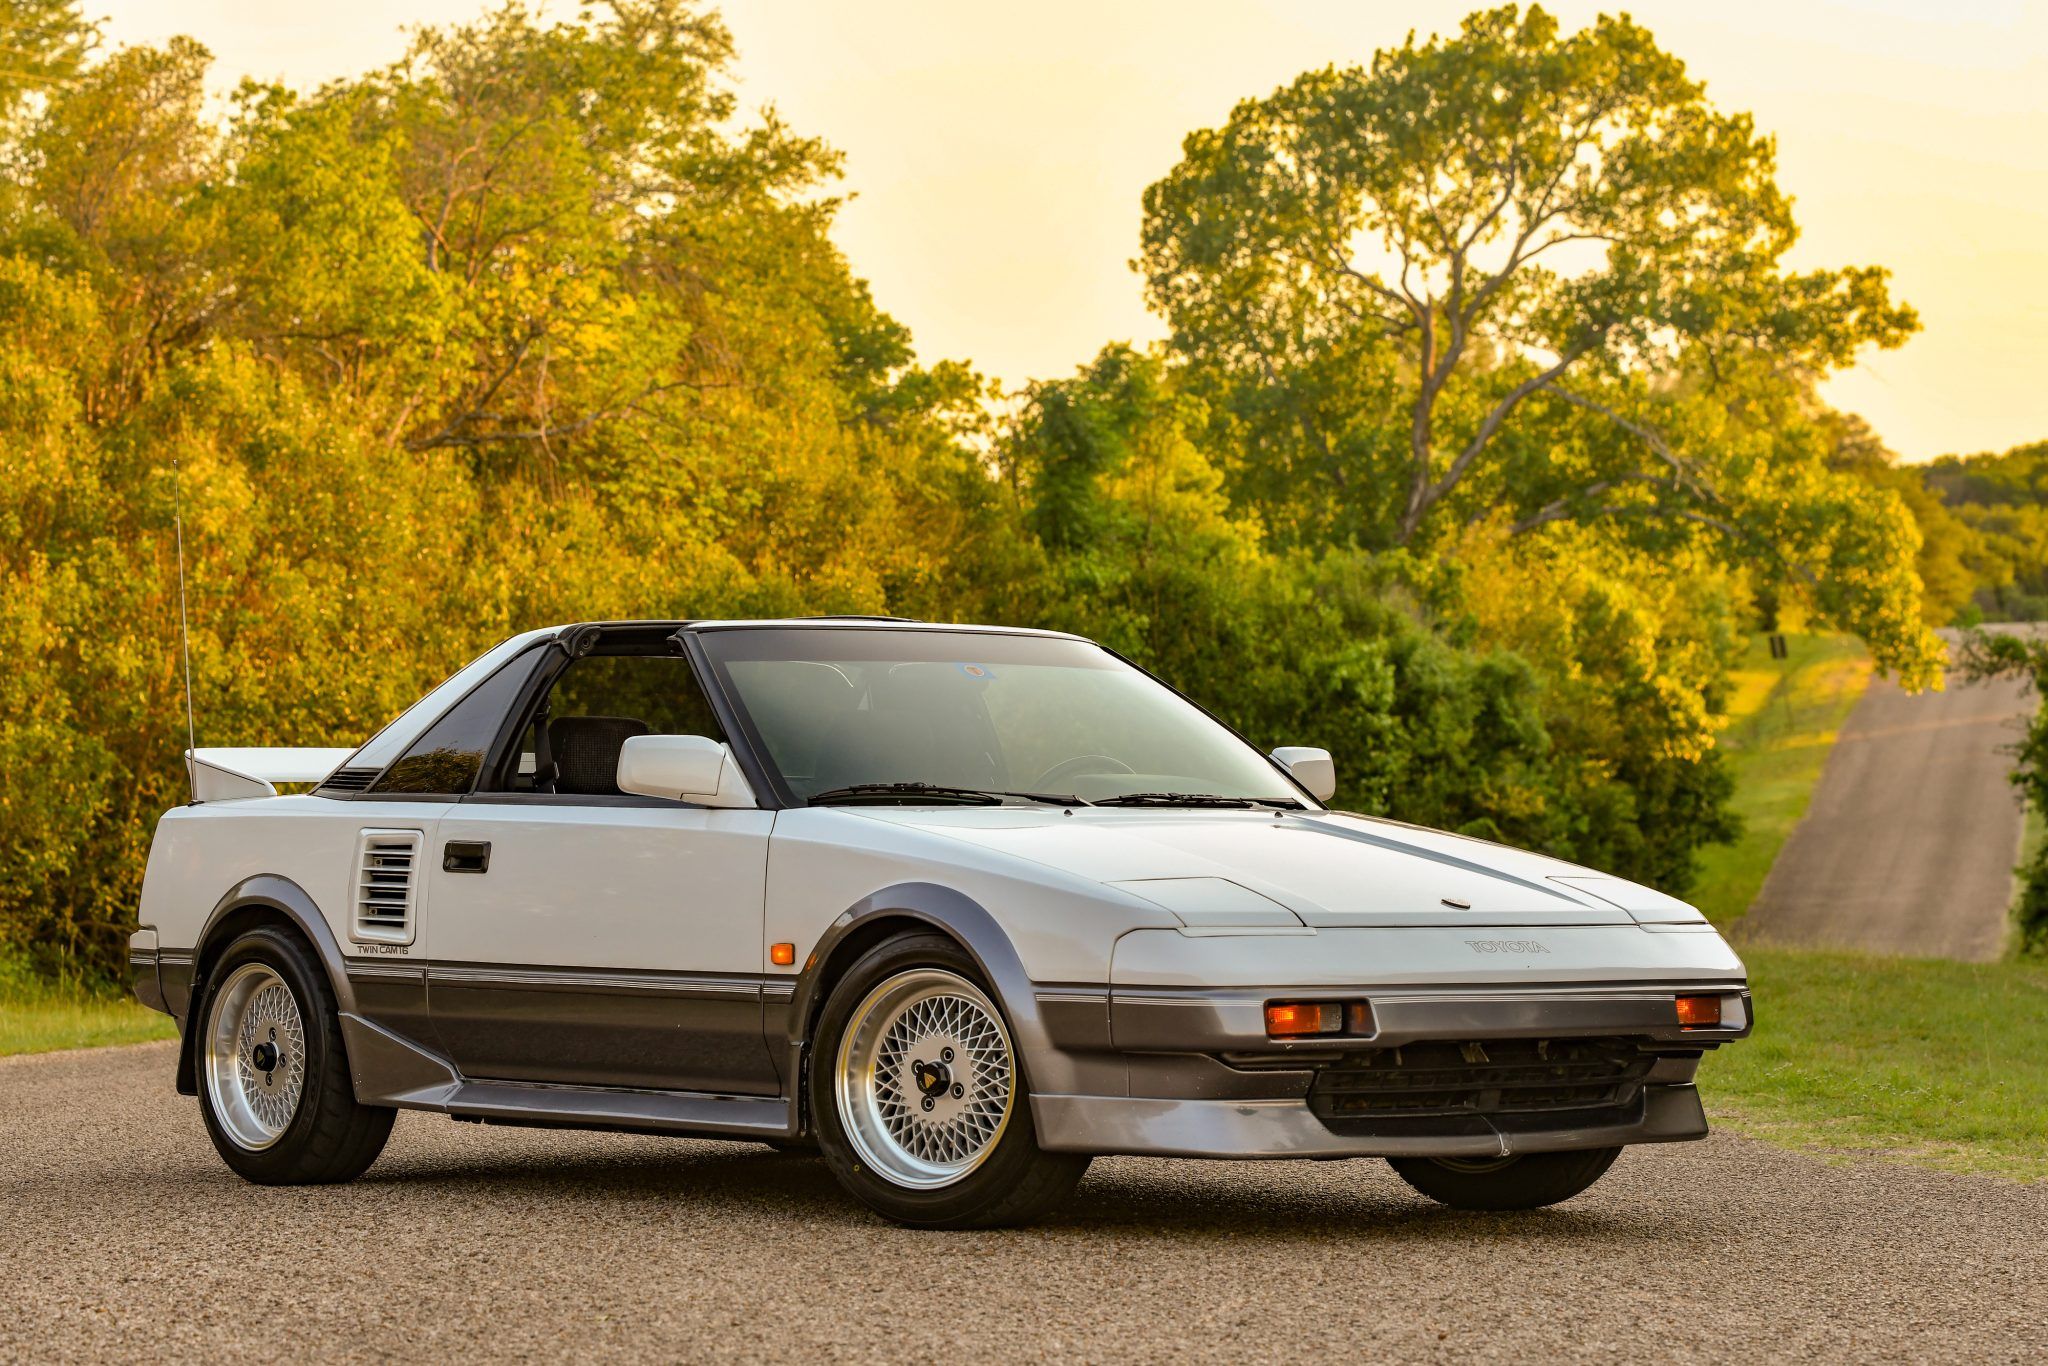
978,671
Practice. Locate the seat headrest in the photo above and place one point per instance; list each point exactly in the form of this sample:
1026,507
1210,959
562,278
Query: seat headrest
587,749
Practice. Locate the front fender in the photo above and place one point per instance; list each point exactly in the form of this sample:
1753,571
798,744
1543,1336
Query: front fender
962,919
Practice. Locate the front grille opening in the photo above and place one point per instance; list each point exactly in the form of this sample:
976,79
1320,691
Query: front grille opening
1503,1077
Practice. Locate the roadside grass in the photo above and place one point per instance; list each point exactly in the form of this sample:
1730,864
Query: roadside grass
1939,1063
38,1015
1783,716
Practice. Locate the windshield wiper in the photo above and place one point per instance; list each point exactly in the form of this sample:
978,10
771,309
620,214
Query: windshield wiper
1176,799
936,792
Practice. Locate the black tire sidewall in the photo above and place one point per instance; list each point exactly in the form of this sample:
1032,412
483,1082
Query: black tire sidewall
1530,1181
976,1198
282,1162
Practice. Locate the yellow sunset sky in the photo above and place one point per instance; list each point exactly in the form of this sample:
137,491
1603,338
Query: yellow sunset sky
996,153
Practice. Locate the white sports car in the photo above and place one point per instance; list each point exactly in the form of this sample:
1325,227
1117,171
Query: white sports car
963,906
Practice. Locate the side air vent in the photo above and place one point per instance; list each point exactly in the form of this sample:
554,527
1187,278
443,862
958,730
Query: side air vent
387,881
350,780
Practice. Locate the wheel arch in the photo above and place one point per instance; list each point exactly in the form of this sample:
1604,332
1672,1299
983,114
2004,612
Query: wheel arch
908,908
265,899
911,908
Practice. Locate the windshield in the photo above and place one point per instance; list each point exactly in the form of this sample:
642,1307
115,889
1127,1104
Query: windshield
979,712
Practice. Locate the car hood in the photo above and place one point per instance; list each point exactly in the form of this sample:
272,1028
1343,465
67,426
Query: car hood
1323,869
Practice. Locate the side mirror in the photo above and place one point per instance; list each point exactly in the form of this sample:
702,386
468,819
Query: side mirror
1313,768
690,768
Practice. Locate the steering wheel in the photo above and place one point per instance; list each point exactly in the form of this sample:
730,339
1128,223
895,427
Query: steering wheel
1079,764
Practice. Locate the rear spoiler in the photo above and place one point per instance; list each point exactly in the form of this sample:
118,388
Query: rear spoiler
226,775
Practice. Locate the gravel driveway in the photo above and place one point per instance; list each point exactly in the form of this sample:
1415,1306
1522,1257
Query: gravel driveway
126,1238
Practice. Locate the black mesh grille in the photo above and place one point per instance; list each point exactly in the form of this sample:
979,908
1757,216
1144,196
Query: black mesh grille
349,780
1486,1077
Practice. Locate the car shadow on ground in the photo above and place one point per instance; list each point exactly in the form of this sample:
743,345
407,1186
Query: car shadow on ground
1128,1198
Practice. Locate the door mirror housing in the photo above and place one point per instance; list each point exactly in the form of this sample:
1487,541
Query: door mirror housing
688,768
1313,768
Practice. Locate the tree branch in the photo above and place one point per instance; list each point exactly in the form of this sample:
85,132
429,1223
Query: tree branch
1427,496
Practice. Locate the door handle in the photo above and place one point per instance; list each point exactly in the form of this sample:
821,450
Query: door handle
466,856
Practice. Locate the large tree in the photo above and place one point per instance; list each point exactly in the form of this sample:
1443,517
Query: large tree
1533,276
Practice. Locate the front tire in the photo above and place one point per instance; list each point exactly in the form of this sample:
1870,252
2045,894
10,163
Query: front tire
1529,1181
919,1099
274,1085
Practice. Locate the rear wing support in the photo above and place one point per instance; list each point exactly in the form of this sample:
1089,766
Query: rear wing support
227,775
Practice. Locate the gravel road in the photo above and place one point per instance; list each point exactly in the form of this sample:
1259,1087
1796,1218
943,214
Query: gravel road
1910,842
126,1238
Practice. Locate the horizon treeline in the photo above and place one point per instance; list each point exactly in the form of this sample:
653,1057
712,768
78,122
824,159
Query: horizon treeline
1485,433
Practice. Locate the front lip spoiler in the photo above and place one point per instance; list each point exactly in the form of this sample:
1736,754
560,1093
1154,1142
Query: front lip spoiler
1283,1128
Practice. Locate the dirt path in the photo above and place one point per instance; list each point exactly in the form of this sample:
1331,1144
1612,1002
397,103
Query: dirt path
1909,845
127,1239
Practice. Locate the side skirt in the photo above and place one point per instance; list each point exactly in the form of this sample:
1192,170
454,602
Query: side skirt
392,1070
647,1111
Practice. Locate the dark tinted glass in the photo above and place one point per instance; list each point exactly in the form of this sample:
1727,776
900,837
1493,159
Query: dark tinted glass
447,759
659,691
643,694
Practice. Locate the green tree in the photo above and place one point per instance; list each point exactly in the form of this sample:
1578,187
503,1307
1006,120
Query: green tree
527,327
1572,719
42,45
1532,275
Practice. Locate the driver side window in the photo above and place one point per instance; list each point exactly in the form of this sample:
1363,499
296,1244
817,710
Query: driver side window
570,745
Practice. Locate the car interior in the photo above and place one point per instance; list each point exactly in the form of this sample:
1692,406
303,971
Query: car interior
570,743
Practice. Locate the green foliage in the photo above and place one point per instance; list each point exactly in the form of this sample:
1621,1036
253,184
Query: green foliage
42,43
520,329
1531,277
533,325
1389,660
1992,509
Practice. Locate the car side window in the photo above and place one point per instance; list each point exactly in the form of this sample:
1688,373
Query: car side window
571,744
447,758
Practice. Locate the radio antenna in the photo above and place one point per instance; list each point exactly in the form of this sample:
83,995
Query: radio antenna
184,627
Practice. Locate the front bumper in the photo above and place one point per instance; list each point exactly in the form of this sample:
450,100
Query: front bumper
1192,1073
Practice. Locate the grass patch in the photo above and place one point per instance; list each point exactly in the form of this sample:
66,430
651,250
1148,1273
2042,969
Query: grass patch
1944,1064
38,1014
1783,716
1924,1060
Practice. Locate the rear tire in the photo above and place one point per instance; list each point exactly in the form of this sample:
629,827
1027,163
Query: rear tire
1529,1181
274,1086
918,1097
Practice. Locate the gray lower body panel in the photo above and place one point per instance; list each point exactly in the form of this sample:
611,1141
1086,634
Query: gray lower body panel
1284,1128
393,1070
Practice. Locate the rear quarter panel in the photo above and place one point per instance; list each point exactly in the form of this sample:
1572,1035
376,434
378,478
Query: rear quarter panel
201,852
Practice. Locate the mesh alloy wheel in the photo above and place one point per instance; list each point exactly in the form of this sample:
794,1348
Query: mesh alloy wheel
255,1056
925,1078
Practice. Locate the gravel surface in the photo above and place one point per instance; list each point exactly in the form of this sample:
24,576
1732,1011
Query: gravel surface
126,1238
1910,842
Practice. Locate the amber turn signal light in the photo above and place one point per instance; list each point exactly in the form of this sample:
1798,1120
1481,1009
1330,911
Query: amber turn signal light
1293,1019
782,955
1699,1012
